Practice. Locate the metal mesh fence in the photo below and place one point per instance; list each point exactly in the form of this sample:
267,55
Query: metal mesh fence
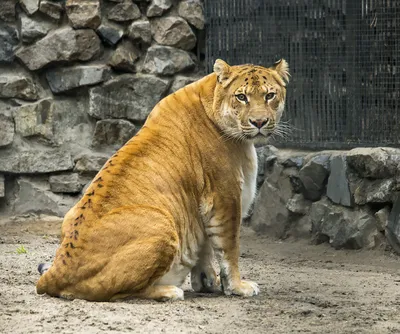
343,57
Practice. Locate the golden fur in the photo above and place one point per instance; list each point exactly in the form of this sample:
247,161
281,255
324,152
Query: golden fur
174,195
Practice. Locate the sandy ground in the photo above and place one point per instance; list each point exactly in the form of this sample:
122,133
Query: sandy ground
304,289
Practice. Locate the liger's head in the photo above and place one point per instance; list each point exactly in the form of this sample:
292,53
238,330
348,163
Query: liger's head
250,99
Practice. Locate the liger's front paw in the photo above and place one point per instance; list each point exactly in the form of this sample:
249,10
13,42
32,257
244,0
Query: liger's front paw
244,288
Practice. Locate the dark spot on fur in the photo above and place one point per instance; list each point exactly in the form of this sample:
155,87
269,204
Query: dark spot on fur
98,179
91,193
68,254
100,185
264,77
64,263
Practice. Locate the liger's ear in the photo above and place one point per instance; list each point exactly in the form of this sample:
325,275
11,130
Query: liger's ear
222,70
282,68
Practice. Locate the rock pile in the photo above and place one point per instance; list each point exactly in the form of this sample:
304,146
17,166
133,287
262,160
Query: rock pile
347,198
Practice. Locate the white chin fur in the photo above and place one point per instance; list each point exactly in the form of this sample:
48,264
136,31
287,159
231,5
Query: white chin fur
260,140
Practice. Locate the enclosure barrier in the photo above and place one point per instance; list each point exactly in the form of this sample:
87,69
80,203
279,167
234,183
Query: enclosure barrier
343,56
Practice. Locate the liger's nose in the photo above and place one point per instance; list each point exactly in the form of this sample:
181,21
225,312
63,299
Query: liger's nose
259,123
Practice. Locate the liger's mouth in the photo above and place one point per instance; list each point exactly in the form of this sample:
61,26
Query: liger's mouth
258,135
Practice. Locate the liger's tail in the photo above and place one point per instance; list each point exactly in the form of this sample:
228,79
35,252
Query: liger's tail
43,267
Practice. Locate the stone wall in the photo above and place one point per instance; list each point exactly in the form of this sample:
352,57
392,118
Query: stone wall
347,198
77,80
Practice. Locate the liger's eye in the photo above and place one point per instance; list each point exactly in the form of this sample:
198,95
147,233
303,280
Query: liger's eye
269,96
241,97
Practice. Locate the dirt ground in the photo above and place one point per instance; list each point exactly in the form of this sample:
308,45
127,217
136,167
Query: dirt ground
304,289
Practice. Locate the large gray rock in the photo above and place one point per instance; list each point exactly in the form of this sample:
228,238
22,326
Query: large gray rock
51,9
33,29
73,127
83,13
29,6
17,86
113,132
259,150
2,186
372,191
110,33
293,161
173,31
34,196
8,40
342,227
128,96
35,161
338,189
270,215
288,158
65,44
90,163
67,183
35,119
295,181
298,205
158,7
382,218
181,81
314,176
7,128
125,11
272,170
393,226
7,10
66,78
193,12
124,57
378,163
165,60
140,31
